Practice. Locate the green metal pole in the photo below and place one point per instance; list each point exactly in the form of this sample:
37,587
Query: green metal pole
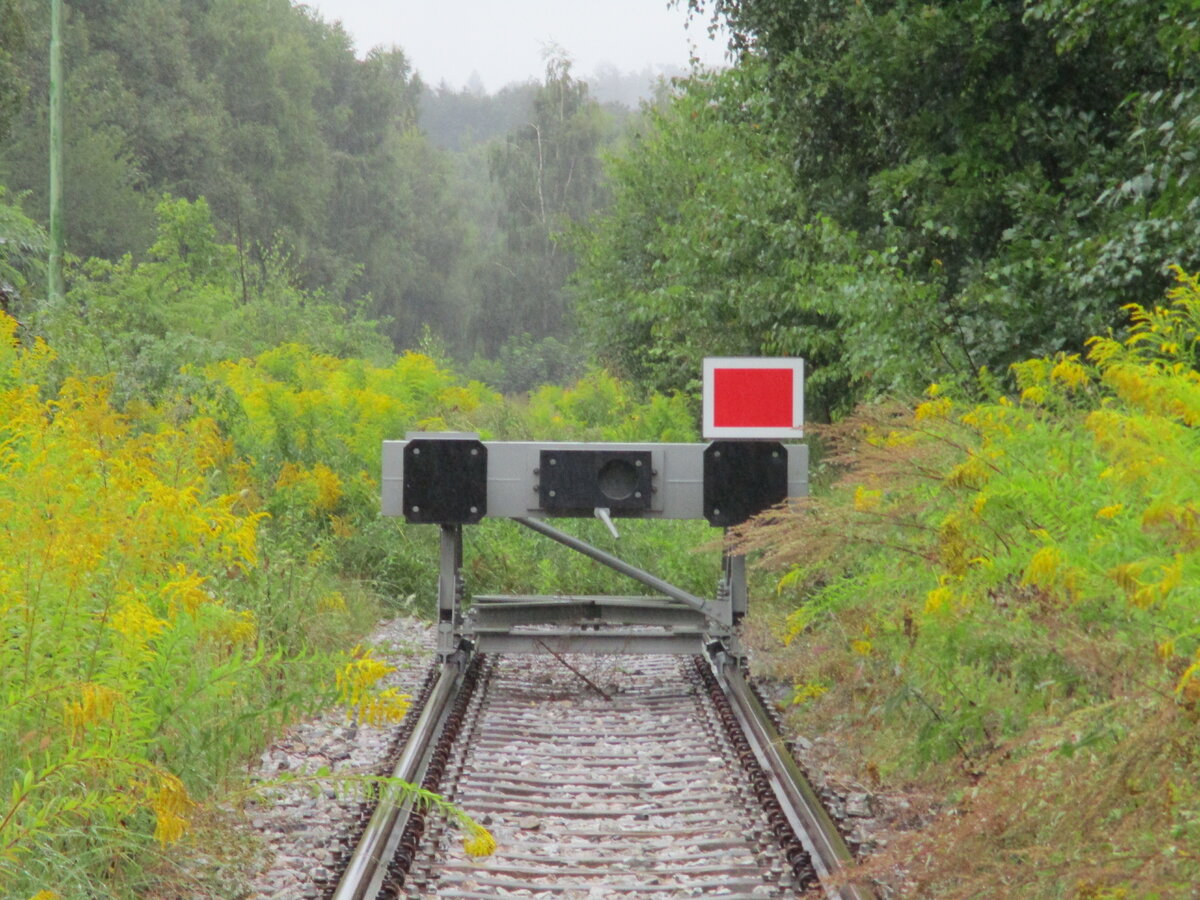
56,152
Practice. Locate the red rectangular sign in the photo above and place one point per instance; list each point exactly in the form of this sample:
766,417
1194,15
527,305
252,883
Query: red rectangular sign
752,397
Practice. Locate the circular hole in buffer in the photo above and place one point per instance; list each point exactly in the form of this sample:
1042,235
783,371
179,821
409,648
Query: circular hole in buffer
618,479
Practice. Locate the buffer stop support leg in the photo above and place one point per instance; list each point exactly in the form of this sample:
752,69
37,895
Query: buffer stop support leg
450,590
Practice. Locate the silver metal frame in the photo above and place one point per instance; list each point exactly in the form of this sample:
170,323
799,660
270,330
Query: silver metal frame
673,621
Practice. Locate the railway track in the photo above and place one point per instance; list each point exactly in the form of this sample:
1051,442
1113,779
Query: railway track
599,776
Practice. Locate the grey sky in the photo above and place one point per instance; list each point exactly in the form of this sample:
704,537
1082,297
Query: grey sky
504,40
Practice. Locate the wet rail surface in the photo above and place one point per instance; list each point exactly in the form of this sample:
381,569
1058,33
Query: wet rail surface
599,777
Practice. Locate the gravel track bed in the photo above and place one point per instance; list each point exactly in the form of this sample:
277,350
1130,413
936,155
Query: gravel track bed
301,829
588,797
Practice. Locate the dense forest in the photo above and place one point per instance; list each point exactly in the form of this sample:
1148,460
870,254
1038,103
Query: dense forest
978,221
903,192
311,162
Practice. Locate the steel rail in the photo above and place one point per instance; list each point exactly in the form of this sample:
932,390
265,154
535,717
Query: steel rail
800,803
365,872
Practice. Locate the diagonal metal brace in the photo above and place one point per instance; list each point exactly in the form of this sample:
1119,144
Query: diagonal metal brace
707,607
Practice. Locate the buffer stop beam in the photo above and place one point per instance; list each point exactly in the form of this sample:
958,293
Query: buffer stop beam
455,479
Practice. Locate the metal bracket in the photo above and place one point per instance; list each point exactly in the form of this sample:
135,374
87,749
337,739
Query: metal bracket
619,565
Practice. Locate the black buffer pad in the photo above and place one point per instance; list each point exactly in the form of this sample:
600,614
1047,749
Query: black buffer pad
576,482
743,478
445,481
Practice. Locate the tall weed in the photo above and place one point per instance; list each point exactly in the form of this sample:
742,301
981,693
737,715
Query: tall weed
313,427
131,673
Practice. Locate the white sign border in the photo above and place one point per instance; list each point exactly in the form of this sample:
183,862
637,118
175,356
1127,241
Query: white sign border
711,431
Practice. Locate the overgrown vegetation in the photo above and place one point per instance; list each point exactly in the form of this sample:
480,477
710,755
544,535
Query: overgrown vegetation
1000,593
995,599
191,495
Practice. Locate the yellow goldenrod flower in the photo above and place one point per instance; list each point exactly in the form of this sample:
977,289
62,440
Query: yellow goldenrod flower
1172,577
289,474
1068,371
134,620
329,487
1030,372
96,703
171,804
805,691
898,439
334,602
1127,575
933,409
937,599
1043,567
239,628
971,474
861,647
1189,673
354,683
186,591
1110,512
865,500
479,842
1034,394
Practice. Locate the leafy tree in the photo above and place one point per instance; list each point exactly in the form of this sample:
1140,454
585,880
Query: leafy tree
393,213
189,303
709,248
549,175
457,120
12,83
523,364
1025,168
260,107
22,254
106,209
